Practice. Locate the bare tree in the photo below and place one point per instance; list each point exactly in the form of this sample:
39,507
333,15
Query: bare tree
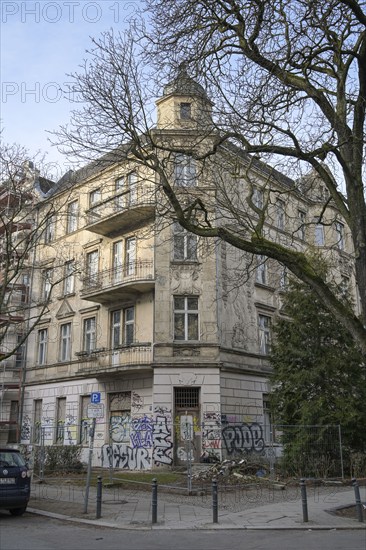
25,223
287,81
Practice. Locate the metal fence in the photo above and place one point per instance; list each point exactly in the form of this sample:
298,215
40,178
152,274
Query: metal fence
152,442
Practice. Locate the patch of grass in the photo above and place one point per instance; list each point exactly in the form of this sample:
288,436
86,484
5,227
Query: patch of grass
163,478
136,479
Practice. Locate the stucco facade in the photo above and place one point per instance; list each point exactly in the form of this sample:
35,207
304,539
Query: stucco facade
172,330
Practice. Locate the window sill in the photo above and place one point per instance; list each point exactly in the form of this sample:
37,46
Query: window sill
265,286
185,262
187,342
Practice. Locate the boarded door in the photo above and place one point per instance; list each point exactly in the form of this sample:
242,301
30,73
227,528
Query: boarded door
187,430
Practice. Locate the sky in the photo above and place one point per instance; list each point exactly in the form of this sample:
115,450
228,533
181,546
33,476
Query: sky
41,42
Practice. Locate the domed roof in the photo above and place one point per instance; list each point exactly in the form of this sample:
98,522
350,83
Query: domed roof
183,84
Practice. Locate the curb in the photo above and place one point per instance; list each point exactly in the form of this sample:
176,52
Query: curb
207,526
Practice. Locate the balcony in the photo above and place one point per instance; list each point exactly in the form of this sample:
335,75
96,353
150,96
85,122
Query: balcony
9,319
13,226
136,356
129,209
114,284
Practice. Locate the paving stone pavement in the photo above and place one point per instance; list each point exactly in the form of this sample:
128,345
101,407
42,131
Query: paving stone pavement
132,509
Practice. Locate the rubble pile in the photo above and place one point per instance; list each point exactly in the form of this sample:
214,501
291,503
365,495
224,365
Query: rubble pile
232,471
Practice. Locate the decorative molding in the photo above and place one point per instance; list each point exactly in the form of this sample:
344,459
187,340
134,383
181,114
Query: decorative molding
186,279
265,307
44,321
186,352
65,310
95,242
89,309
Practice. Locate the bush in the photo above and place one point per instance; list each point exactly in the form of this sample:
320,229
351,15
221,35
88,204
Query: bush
64,458
358,464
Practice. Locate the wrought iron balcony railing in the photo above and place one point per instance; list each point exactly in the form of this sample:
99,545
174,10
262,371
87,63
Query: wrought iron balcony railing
132,272
132,355
127,207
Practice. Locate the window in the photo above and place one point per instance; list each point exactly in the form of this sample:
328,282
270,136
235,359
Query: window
187,398
185,111
185,244
130,255
185,318
120,417
92,261
283,278
89,334
42,346
319,234
264,324
280,214
258,198
60,420
129,325
19,354
131,187
185,170
267,420
37,425
46,284
49,231
116,327
339,227
25,278
122,327
65,342
69,278
302,221
119,187
261,273
94,197
117,262
72,217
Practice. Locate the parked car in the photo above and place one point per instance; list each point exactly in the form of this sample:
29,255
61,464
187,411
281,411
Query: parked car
15,481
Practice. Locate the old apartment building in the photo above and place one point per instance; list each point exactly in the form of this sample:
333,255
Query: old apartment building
169,330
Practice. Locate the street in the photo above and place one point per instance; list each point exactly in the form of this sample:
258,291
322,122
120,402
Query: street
32,532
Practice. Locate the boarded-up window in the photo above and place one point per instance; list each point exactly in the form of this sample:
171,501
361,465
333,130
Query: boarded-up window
120,417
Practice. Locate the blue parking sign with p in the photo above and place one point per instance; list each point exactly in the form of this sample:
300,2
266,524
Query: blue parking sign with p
95,397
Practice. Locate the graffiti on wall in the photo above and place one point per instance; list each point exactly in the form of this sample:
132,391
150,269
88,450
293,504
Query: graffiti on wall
211,432
25,432
162,436
185,455
71,431
119,427
121,455
246,438
137,401
47,426
181,430
142,432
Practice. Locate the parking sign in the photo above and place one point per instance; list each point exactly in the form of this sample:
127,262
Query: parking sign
95,397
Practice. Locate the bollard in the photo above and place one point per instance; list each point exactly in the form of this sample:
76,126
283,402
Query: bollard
154,501
99,498
215,518
358,500
304,501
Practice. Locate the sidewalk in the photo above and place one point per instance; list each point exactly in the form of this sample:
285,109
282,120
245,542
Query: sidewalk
125,509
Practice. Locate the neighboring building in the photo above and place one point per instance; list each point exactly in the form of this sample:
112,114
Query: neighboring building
15,263
155,320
